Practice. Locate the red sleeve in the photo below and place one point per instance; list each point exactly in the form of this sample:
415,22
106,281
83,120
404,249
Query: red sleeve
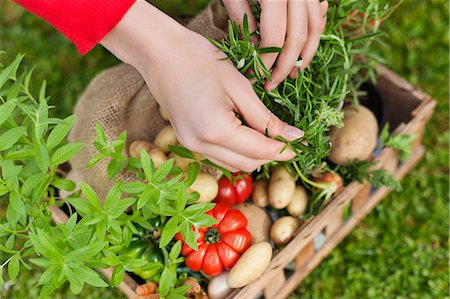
84,22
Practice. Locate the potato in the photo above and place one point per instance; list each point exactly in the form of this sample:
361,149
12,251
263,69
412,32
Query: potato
260,194
298,203
218,288
136,146
250,266
155,153
281,188
206,185
183,163
163,113
357,139
258,222
283,230
165,138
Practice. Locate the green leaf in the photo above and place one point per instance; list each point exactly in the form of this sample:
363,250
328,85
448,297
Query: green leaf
6,110
80,204
163,170
133,188
121,207
64,184
10,70
113,196
22,154
114,167
10,137
224,171
16,203
90,195
42,158
175,251
182,152
95,160
76,282
85,253
60,132
169,231
147,165
101,136
91,277
193,170
13,267
2,281
3,190
150,194
167,281
117,275
64,153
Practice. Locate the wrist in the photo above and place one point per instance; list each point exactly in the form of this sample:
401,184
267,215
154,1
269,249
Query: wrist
143,35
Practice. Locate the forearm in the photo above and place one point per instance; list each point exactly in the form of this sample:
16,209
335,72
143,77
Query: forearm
84,22
143,35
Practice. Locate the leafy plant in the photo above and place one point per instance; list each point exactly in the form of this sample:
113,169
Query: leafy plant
32,148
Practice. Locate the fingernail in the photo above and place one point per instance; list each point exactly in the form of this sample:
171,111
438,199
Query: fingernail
271,86
292,133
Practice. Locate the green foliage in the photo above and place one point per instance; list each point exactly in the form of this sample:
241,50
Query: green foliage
366,171
32,148
400,142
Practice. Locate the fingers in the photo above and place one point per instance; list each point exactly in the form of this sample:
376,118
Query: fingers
255,113
237,9
316,26
273,23
297,35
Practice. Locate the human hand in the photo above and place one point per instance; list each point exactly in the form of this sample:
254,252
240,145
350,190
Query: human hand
294,25
200,92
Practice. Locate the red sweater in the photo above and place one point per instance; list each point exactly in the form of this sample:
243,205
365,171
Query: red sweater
84,22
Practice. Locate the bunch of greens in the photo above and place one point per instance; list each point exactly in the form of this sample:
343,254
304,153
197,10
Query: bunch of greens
32,149
314,100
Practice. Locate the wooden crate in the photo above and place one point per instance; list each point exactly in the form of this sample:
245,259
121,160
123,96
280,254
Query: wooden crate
407,109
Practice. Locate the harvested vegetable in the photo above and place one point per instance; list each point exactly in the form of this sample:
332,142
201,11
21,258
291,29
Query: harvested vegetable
298,203
250,266
357,139
236,190
165,138
281,188
260,195
157,155
219,246
206,185
163,113
283,230
218,287
147,288
258,221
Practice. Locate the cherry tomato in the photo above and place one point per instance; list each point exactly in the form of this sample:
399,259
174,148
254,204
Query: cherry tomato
234,191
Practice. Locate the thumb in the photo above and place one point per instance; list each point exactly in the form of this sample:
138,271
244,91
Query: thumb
256,113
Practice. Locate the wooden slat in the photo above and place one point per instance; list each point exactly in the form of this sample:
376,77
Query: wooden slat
300,274
361,197
334,222
276,283
127,286
304,255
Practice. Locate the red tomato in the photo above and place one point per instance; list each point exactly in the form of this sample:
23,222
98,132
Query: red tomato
219,246
234,191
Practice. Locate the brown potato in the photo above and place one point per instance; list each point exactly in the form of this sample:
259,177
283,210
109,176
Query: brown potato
260,194
157,156
357,139
155,153
183,163
163,113
250,266
165,138
206,185
258,222
281,188
298,203
136,146
283,230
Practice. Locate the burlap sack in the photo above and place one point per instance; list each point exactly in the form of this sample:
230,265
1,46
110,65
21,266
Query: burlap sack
119,100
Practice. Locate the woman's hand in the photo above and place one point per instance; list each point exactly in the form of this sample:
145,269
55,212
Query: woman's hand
294,25
200,92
